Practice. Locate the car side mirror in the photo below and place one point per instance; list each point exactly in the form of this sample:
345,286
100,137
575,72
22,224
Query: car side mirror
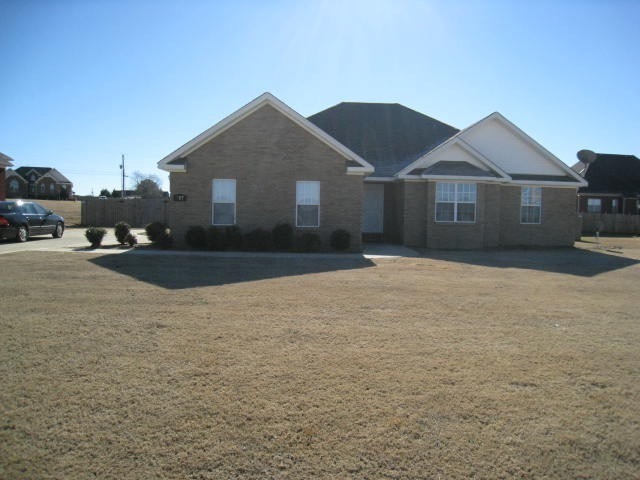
49,212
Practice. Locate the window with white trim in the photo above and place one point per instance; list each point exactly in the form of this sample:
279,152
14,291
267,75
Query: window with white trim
456,202
224,202
594,205
14,186
307,204
531,205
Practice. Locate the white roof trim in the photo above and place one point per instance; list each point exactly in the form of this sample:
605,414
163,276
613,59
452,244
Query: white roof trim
548,183
466,178
264,99
380,179
5,160
546,153
455,140
12,173
49,175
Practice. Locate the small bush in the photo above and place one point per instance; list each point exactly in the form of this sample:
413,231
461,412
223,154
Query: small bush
122,229
131,239
196,237
95,235
159,234
308,242
282,236
155,230
216,238
233,237
258,240
340,239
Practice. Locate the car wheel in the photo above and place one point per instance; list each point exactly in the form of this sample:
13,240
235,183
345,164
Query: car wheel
57,233
23,234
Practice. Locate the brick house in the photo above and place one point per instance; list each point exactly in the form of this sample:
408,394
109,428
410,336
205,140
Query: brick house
5,162
379,170
38,182
614,184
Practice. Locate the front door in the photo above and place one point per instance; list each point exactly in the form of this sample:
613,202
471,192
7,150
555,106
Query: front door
373,208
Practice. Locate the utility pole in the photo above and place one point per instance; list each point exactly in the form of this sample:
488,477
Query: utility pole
122,168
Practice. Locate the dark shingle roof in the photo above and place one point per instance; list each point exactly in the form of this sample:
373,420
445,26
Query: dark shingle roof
22,171
387,135
611,173
55,174
457,169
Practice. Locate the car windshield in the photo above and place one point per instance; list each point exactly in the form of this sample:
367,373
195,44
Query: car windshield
8,207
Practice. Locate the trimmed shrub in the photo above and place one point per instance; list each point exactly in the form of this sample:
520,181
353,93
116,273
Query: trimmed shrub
216,238
121,230
154,230
258,240
131,239
340,239
159,234
95,235
196,237
282,235
234,237
308,242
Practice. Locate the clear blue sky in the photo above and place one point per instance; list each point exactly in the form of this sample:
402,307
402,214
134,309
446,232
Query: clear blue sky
84,81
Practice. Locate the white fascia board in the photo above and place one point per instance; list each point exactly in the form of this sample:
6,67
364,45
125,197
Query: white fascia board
5,160
380,179
411,178
549,183
456,140
12,173
472,151
594,194
264,99
545,153
462,178
175,168
48,175
359,170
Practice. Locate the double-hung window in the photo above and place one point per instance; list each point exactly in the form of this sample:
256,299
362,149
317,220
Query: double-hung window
456,202
224,202
594,205
307,204
531,205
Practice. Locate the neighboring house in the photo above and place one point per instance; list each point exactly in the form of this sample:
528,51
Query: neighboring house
5,162
38,182
379,169
614,184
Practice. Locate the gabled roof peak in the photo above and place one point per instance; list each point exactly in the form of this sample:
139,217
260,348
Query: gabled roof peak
265,99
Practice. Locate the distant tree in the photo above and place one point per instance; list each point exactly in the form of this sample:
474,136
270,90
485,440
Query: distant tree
147,186
105,193
116,193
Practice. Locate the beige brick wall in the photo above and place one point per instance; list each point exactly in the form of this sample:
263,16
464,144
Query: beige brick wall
266,153
559,219
497,219
414,215
483,233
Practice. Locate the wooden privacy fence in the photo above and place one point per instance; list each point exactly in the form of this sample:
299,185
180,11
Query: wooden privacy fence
137,212
610,223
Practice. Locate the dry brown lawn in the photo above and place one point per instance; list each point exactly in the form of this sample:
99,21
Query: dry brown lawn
70,210
504,364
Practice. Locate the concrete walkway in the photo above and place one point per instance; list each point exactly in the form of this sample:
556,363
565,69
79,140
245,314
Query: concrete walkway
75,241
